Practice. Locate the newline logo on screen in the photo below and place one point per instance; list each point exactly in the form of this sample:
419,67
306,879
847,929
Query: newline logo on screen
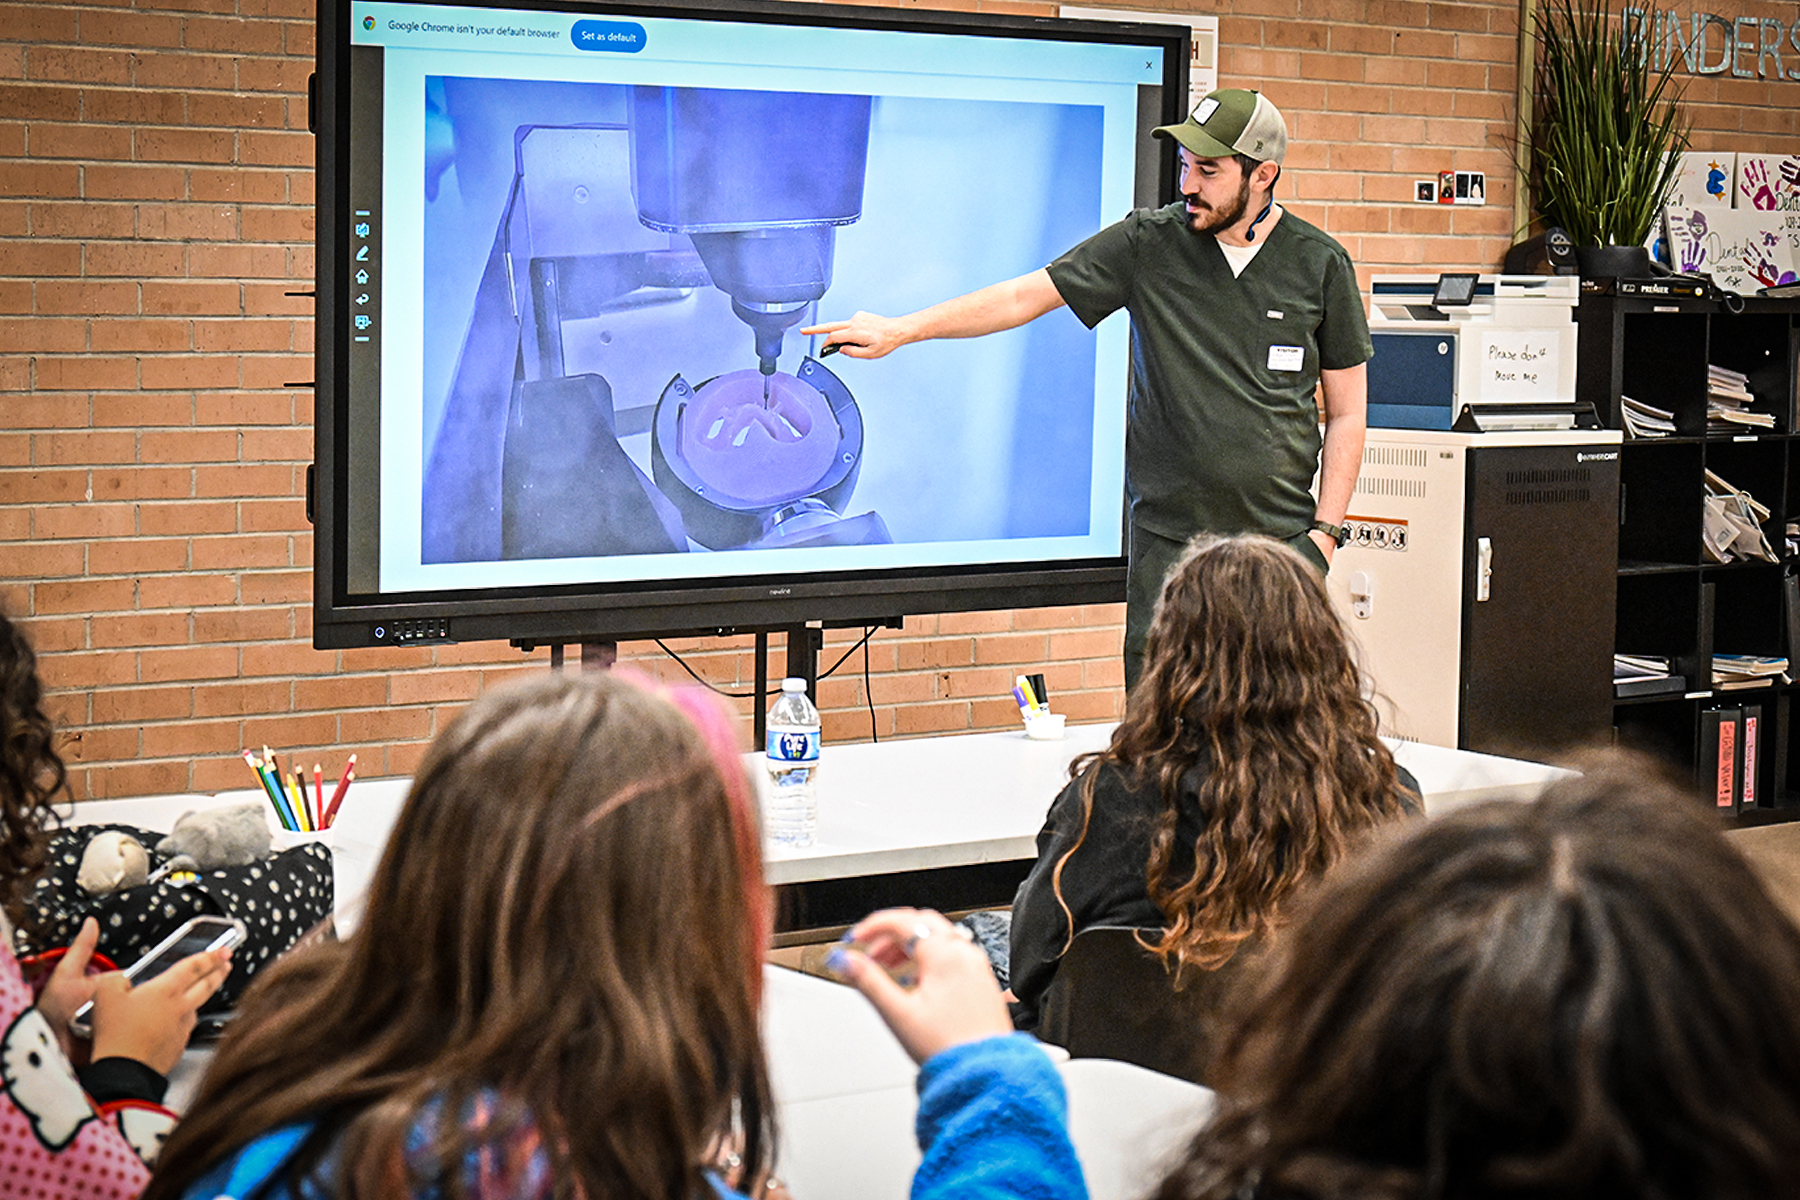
786,591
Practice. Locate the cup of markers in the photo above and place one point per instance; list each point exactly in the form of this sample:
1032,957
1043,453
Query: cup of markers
1034,706
298,807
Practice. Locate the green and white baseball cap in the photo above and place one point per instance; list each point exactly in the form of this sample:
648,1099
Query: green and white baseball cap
1232,121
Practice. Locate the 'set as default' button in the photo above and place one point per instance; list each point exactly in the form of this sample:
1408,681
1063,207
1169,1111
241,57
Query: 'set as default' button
621,37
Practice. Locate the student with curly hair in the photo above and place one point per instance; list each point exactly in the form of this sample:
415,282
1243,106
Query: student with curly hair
1587,996
58,1140
1246,764
554,989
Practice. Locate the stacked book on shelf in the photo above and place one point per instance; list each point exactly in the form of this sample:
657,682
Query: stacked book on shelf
1727,400
1644,421
1731,523
1731,672
1644,675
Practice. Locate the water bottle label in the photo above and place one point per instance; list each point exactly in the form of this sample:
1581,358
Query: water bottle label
793,745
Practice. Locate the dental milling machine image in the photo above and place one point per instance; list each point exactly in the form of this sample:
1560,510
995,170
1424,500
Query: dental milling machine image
734,198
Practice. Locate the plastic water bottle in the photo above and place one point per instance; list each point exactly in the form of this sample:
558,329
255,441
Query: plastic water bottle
791,814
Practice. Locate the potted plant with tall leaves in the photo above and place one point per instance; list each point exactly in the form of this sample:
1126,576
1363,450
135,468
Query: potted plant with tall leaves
1605,129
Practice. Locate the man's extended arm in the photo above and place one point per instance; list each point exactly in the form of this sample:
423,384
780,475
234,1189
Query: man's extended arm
1002,306
1346,394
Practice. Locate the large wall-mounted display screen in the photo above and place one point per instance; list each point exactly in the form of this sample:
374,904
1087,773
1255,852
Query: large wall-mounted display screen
565,253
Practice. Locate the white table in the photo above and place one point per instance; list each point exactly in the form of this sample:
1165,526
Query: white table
845,1100
981,797
909,805
1451,779
919,803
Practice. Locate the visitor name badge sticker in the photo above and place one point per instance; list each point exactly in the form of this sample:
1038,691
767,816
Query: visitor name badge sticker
1286,358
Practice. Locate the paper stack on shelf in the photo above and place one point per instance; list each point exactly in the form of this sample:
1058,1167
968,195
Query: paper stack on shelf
1644,675
1727,394
1730,384
1731,523
1731,672
1643,421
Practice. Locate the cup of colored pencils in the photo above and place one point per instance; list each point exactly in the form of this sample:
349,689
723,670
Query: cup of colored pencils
299,808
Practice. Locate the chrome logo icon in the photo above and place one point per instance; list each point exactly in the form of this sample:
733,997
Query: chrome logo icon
368,22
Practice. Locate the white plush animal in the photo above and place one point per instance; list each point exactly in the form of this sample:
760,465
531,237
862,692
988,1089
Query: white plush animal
217,837
112,861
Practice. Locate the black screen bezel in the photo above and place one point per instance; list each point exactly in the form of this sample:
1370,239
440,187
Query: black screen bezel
613,612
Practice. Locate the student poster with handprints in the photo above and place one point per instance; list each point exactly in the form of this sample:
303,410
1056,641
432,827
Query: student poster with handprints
1768,182
1742,249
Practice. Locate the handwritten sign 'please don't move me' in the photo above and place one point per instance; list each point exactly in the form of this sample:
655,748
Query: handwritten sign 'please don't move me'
1520,364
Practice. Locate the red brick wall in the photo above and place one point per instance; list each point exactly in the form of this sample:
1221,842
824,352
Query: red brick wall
155,209
1378,94
1729,113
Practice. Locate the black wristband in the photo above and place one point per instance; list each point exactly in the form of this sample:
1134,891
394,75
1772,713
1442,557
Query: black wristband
1336,533
110,1079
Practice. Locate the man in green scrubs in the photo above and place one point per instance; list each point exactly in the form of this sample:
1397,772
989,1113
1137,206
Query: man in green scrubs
1244,320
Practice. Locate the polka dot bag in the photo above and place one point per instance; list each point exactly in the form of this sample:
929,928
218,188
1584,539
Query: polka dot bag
279,900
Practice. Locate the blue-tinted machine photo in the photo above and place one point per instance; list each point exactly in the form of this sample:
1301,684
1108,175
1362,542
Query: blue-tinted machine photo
732,195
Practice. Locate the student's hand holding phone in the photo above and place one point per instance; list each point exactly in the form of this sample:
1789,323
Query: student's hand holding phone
70,986
151,1022
954,999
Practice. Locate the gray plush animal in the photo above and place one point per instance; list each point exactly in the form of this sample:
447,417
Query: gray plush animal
217,837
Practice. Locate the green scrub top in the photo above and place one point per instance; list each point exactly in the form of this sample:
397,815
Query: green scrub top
1223,431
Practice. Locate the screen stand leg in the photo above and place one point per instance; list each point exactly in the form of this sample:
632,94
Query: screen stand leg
804,641
595,656
758,709
803,645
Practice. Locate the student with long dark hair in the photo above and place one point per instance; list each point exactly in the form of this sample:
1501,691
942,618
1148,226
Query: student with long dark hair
1588,996
58,1141
1246,764
554,987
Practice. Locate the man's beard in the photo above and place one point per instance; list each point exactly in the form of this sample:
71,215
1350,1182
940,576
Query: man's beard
1218,219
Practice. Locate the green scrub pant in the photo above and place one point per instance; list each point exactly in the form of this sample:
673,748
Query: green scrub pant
1151,557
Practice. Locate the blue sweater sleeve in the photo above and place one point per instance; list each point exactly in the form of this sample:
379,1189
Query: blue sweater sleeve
994,1125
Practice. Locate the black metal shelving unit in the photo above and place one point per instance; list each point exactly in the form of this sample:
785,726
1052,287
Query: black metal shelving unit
1671,600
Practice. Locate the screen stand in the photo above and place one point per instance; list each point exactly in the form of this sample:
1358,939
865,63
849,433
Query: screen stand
595,656
804,642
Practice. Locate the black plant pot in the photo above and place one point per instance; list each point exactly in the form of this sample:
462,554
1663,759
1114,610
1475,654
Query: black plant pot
1613,262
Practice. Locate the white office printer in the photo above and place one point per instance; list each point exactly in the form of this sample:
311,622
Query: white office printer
1474,352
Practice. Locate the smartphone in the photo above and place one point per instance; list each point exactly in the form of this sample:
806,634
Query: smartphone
197,935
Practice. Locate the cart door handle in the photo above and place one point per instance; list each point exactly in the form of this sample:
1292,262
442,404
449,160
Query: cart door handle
1484,568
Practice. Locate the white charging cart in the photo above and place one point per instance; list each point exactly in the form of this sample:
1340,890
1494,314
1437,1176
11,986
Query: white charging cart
1480,579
